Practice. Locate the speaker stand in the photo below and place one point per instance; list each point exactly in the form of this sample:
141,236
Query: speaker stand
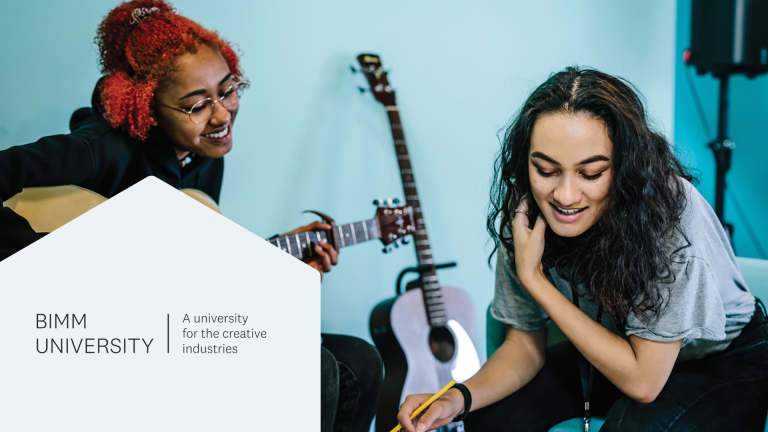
722,148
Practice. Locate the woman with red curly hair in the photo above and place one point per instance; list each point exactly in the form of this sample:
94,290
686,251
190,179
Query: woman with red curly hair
165,107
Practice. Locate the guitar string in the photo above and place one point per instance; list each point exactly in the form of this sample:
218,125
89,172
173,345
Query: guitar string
431,290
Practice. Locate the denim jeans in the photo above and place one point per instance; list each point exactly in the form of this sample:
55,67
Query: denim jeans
351,377
724,391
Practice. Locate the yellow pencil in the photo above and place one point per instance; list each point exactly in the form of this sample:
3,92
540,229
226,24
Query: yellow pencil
427,403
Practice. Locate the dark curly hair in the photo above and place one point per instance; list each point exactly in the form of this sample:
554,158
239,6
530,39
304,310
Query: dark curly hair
623,257
139,42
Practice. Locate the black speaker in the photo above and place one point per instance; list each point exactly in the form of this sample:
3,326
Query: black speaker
729,37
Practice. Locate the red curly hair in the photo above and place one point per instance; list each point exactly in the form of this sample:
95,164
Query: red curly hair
139,41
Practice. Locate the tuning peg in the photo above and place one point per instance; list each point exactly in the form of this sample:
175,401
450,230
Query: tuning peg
405,241
376,202
354,71
385,250
396,200
362,89
389,201
397,245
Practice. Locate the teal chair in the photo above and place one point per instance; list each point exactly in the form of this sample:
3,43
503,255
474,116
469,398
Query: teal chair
755,274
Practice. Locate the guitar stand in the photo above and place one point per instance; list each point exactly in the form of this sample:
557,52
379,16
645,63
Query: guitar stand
416,283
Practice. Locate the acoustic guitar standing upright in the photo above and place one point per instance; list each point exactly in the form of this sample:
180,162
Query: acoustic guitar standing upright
426,336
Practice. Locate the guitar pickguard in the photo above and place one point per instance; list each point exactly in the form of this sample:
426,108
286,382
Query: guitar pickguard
466,362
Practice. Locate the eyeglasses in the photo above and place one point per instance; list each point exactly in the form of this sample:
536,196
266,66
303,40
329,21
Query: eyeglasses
203,110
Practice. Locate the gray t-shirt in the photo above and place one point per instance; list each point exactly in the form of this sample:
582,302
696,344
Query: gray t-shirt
706,306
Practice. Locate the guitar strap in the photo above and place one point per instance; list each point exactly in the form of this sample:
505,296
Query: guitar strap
586,370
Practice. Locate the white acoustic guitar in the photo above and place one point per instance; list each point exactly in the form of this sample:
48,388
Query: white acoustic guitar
427,335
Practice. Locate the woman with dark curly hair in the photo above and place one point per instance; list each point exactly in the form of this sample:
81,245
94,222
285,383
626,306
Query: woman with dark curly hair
602,232
165,107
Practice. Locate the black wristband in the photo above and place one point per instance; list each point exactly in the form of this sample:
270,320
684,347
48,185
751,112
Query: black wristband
467,401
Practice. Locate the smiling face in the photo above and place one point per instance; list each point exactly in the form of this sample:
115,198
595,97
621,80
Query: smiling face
197,76
569,166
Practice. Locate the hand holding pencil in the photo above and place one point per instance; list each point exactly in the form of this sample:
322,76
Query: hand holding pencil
423,412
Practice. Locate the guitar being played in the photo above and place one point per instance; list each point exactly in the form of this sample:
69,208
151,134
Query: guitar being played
48,208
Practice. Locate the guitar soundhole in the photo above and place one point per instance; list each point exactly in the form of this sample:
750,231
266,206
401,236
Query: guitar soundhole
442,344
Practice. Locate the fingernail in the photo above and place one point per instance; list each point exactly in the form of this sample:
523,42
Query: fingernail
421,427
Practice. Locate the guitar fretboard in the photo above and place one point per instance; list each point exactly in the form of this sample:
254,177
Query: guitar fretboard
433,294
301,245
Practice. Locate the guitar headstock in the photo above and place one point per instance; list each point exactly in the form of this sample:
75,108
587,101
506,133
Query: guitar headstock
395,224
373,70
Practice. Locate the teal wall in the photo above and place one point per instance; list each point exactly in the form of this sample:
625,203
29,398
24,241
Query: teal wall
746,127
307,139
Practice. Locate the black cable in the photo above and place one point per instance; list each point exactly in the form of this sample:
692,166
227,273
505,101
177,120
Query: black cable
743,218
697,101
732,195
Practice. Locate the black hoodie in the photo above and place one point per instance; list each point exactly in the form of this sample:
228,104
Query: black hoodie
96,157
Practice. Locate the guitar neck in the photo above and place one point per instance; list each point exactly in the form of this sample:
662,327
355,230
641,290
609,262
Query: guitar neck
301,245
423,248
433,296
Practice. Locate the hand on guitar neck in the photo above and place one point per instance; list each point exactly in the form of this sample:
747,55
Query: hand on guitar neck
326,255
317,244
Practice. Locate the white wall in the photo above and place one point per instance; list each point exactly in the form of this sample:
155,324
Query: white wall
307,139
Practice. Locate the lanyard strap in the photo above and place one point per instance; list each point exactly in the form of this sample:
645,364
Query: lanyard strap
586,370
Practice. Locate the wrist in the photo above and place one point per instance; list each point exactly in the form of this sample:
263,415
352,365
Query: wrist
531,277
456,399
466,400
